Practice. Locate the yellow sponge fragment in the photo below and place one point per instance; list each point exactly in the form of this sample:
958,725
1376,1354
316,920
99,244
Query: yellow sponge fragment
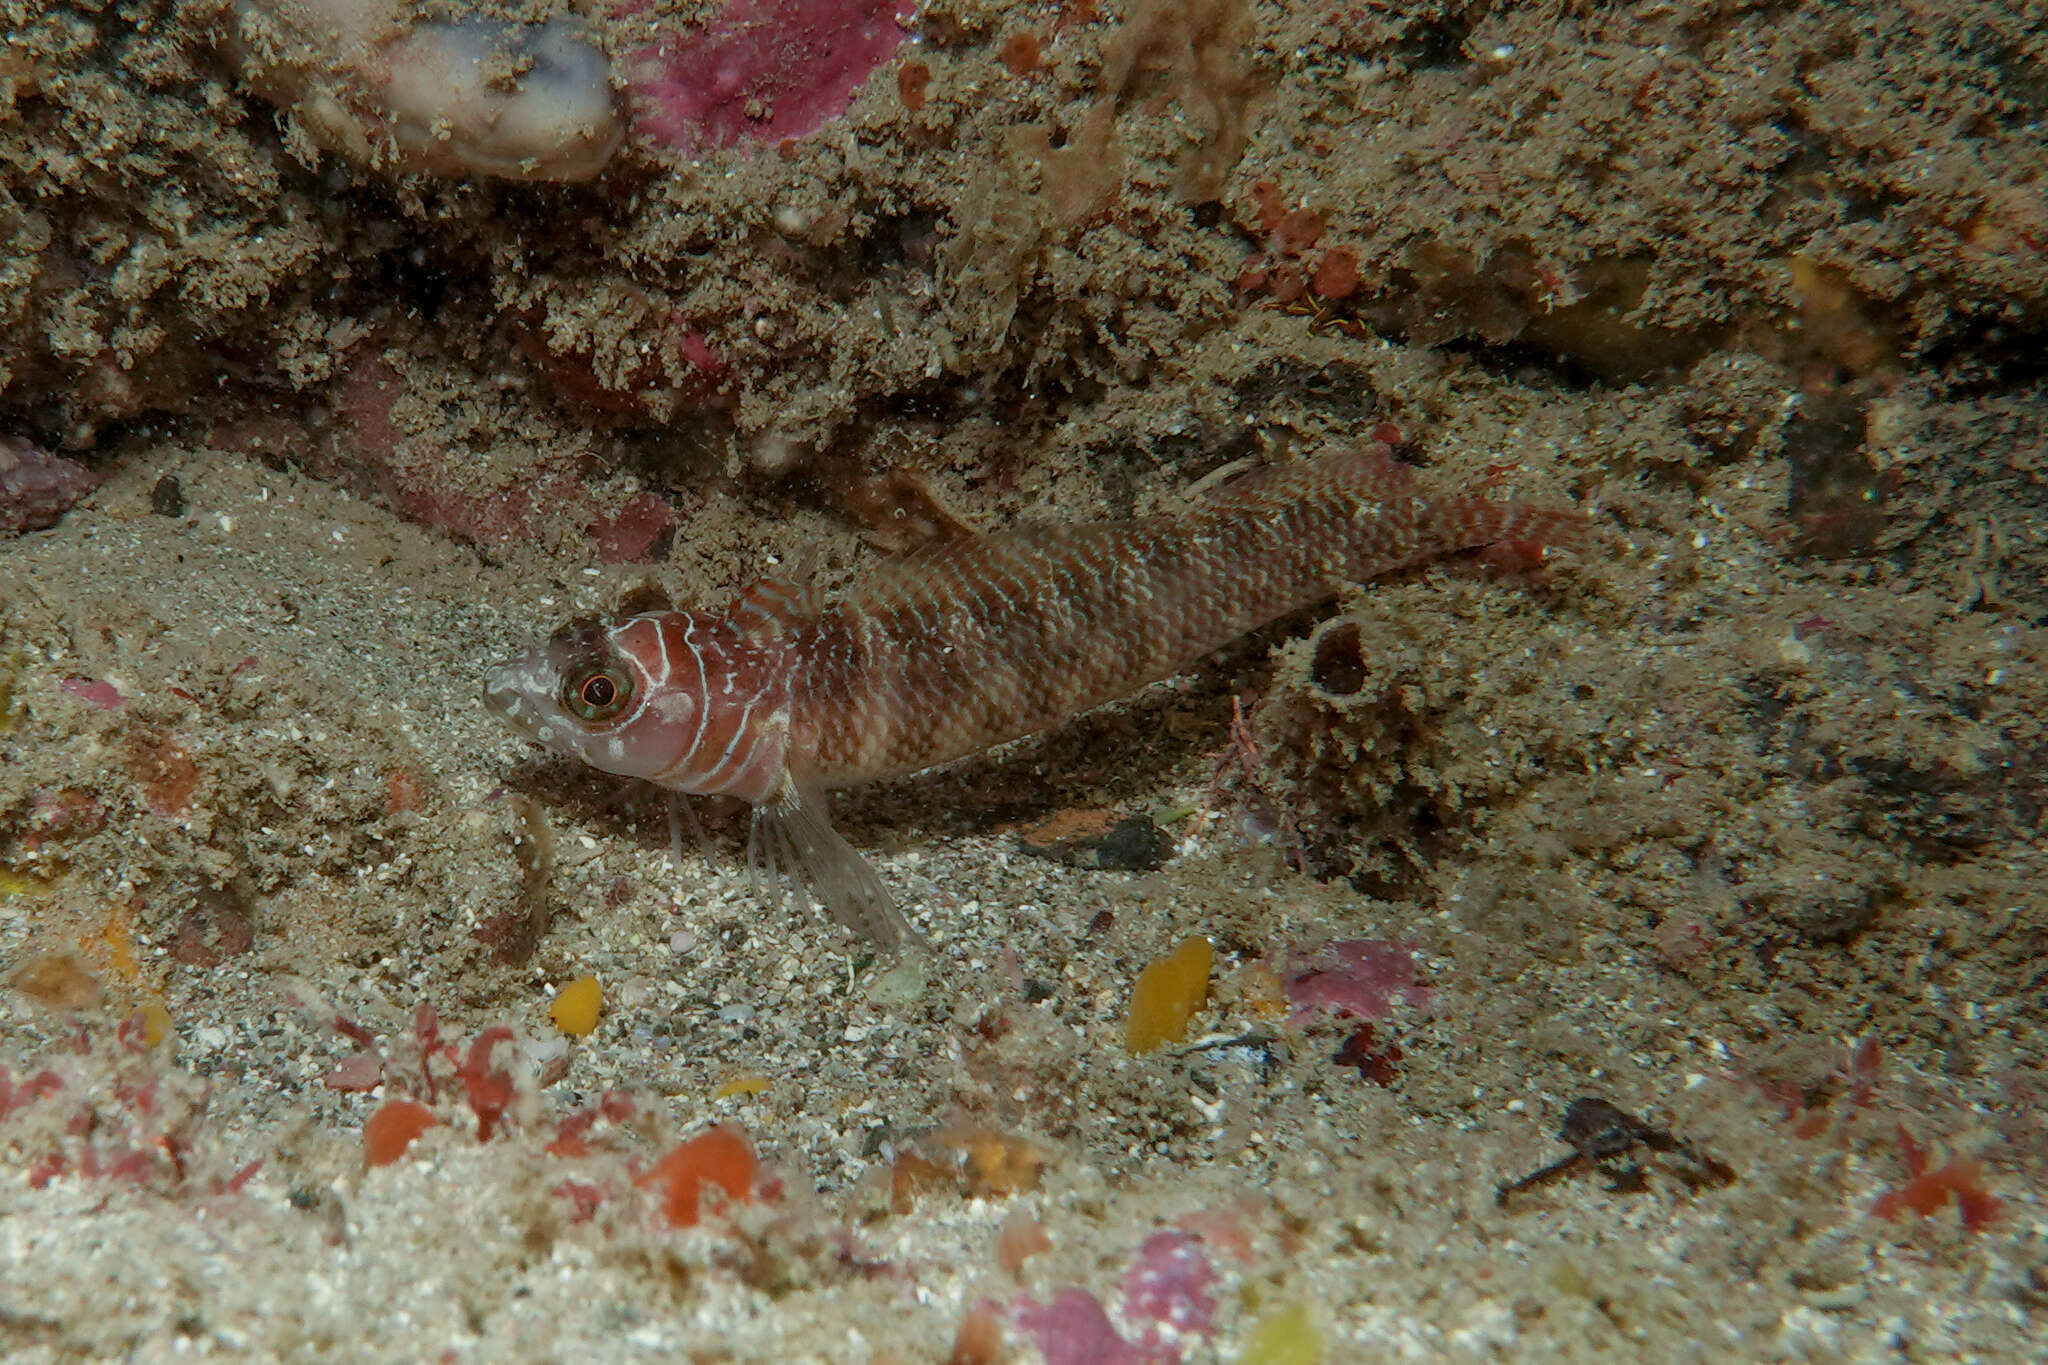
1286,1335
577,1006
156,1024
1167,994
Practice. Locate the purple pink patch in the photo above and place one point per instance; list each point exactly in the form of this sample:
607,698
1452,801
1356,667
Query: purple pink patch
1360,977
762,70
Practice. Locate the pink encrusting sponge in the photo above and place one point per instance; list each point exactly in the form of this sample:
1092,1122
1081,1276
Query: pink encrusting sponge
762,70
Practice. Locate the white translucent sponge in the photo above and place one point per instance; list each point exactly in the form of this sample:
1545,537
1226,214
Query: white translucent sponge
471,96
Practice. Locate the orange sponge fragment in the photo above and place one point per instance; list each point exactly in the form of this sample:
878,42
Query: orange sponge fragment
1167,994
720,1157
395,1126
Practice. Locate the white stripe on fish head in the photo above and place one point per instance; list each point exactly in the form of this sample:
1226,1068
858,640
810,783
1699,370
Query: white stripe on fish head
648,740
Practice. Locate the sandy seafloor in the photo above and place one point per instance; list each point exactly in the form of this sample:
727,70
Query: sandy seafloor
1732,817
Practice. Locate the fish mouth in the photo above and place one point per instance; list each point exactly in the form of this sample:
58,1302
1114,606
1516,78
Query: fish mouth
508,696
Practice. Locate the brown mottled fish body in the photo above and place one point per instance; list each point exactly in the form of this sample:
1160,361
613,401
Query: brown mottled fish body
969,644
990,638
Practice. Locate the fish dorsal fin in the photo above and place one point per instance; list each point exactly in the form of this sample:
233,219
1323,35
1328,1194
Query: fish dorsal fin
773,603
899,512
642,598
1279,484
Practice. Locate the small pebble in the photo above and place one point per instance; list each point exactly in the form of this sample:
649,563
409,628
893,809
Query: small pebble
167,499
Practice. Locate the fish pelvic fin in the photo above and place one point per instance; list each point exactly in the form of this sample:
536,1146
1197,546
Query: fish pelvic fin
792,845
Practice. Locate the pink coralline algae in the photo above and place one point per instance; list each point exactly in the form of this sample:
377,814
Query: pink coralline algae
99,693
36,488
1168,1289
1355,976
1074,1329
762,70
1167,1297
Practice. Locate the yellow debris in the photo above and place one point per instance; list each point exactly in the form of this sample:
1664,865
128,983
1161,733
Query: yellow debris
1259,990
740,1085
577,1006
1286,1335
1167,994
14,883
59,981
112,944
156,1024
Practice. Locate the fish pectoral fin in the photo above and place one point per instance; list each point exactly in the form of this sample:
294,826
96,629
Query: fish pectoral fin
793,840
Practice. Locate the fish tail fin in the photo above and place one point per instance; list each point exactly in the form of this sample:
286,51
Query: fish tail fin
793,843
1514,535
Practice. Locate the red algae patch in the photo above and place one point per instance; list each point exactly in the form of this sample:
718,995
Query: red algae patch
165,772
359,1071
1021,54
1168,1298
94,692
1074,1329
913,79
719,1159
1931,1187
393,1129
37,488
635,532
1336,274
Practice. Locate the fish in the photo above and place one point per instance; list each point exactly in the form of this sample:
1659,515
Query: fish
781,696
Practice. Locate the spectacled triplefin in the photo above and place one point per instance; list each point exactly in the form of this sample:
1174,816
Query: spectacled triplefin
966,644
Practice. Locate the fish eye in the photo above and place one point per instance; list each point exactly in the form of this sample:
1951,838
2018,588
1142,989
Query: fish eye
597,694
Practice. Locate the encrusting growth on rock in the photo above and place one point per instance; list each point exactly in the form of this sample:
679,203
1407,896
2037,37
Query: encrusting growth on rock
968,644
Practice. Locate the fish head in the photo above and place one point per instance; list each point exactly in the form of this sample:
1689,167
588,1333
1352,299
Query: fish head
684,699
586,693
